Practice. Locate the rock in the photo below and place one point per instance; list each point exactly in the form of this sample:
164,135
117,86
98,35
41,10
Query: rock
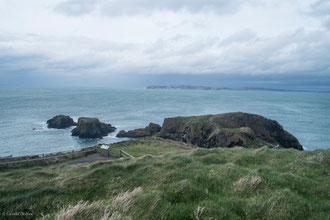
60,122
150,130
265,129
226,138
228,130
153,128
247,131
121,134
92,128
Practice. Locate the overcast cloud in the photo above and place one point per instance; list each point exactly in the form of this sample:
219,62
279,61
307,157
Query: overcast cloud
117,38
146,7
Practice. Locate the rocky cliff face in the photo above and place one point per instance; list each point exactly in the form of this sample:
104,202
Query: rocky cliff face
92,128
228,130
60,121
150,130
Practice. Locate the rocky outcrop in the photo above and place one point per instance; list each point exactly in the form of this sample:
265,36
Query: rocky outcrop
92,128
247,131
150,130
228,130
60,121
226,138
265,129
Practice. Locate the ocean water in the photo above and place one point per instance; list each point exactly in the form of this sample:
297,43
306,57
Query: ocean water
24,112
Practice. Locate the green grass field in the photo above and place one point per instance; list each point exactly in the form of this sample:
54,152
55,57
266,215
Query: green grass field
171,180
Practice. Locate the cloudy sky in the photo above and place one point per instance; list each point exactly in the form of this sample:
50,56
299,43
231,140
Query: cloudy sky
264,43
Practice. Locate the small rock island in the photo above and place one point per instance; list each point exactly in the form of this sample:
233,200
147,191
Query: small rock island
92,128
150,130
61,122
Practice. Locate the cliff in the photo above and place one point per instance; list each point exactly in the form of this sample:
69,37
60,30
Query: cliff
228,130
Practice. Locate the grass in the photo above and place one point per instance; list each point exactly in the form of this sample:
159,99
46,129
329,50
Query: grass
196,119
153,145
169,180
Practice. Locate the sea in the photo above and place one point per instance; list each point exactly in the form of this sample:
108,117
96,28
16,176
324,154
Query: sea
24,112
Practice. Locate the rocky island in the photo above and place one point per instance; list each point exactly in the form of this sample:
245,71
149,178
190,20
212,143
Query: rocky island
236,129
60,122
92,128
150,130
228,130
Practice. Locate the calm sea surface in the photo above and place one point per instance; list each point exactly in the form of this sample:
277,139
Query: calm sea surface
305,115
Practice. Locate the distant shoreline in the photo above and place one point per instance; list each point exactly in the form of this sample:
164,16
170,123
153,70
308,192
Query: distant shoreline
189,87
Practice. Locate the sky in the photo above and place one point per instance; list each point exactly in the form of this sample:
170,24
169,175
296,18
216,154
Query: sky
134,43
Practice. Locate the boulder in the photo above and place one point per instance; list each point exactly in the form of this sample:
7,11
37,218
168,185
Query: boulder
228,130
226,138
150,130
60,122
92,128
247,131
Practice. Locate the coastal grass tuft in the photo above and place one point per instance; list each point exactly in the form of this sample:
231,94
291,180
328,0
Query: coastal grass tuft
171,180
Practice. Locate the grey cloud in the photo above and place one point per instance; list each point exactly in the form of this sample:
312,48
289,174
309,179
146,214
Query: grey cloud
117,7
242,53
321,8
327,23
299,52
242,36
76,7
13,62
133,7
20,54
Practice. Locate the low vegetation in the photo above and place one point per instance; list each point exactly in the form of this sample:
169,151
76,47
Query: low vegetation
150,146
171,180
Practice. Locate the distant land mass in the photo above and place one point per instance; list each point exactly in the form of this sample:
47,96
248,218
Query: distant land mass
188,87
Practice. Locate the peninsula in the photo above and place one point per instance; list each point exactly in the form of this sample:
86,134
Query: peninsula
190,87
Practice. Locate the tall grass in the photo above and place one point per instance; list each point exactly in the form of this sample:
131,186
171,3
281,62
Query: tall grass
178,183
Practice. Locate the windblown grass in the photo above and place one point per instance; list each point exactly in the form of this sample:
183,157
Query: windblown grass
152,145
176,183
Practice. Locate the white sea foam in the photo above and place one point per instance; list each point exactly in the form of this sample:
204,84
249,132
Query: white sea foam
113,134
75,118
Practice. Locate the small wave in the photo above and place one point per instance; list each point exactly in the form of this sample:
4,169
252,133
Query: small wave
112,135
75,118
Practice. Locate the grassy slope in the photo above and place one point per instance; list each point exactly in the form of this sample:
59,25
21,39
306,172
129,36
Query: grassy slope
152,146
177,183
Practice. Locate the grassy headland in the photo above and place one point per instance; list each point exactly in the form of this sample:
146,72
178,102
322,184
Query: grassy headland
172,180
